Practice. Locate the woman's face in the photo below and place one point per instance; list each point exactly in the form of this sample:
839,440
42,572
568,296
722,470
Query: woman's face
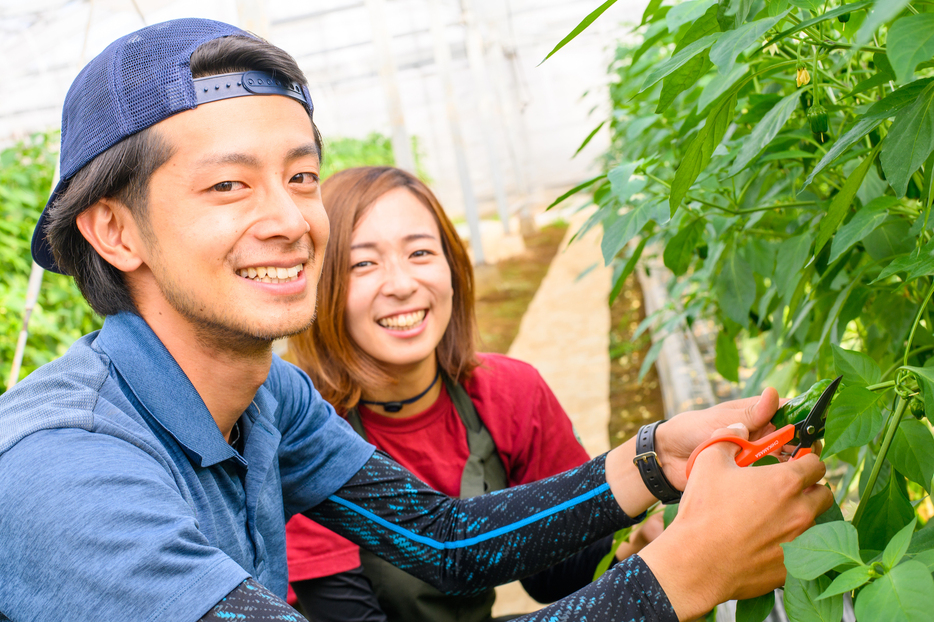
400,293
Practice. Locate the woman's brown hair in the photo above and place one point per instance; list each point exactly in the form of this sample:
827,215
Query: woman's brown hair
339,367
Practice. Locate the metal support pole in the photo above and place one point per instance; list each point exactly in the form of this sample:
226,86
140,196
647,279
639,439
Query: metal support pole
32,297
253,17
401,144
443,62
475,58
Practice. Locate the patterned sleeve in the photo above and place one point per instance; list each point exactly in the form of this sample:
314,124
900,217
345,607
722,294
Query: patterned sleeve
465,545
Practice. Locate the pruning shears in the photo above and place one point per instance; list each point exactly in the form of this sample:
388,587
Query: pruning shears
807,432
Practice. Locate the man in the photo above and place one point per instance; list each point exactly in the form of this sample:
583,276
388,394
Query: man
147,474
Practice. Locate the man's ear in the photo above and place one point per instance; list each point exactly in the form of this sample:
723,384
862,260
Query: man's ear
110,228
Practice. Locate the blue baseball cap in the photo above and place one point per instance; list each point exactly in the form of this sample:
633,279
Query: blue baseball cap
138,81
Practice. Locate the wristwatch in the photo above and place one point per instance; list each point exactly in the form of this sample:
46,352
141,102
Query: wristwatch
647,461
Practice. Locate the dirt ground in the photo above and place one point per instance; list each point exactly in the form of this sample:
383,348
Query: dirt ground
632,403
505,289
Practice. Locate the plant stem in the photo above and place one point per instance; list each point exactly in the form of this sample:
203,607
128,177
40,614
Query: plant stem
891,427
911,335
881,386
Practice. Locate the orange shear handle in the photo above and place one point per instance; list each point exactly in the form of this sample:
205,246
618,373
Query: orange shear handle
750,451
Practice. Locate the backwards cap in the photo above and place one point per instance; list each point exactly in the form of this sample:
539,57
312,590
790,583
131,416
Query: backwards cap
136,82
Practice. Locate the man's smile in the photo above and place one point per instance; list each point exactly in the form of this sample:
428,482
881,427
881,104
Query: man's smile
272,274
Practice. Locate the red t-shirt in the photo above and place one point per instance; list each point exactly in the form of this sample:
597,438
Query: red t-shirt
532,433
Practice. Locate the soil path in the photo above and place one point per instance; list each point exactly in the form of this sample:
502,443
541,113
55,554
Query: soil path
565,335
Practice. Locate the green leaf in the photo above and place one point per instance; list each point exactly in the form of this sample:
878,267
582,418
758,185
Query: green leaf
856,367
628,225
589,138
862,224
897,546
811,5
619,278
909,142
575,190
794,252
926,558
735,288
822,548
727,361
680,249
687,74
919,262
802,602
650,10
669,514
906,594
719,85
882,12
925,376
764,132
910,41
679,59
650,358
831,514
686,12
847,581
912,452
622,182
724,52
587,21
854,419
841,203
698,153
887,512
755,609
733,13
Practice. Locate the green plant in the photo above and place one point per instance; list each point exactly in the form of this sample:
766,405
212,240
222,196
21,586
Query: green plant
374,150
779,160
61,315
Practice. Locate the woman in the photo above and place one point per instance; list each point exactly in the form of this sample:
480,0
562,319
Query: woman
392,349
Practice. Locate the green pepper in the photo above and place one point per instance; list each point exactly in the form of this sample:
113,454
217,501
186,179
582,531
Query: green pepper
916,406
797,408
817,119
843,18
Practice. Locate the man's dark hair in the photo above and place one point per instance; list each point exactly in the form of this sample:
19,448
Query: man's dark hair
123,172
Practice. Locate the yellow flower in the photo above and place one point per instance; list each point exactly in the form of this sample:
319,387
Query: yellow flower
803,77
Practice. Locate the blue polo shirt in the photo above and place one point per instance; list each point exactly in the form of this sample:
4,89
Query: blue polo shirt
120,498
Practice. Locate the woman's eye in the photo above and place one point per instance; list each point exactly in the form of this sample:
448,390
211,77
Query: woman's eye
422,253
361,264
304,178
226,186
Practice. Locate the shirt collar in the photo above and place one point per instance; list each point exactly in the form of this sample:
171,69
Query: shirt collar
163,389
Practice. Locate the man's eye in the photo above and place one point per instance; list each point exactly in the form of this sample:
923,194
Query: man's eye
225,186
304,178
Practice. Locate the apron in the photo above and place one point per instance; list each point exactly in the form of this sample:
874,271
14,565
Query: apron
404,598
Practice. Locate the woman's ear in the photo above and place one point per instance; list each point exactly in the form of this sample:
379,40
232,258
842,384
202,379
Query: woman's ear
110,228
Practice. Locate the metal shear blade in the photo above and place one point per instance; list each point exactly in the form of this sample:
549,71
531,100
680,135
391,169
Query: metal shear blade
811,428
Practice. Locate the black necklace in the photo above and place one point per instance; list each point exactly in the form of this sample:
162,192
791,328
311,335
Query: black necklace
394,407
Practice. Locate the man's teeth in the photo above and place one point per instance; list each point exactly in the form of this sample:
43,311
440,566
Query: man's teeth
271,274
403,320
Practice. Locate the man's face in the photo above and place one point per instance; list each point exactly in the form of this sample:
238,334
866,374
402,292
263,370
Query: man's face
236,229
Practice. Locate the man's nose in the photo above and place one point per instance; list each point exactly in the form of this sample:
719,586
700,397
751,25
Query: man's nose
281,217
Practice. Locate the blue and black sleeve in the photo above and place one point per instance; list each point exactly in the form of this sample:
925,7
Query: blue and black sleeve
465,545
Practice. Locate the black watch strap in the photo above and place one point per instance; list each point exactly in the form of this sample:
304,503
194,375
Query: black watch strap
649,469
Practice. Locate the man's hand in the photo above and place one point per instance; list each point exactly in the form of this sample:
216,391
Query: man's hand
725,542
677,438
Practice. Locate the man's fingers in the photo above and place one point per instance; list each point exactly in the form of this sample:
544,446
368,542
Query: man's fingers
809,468
761,411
